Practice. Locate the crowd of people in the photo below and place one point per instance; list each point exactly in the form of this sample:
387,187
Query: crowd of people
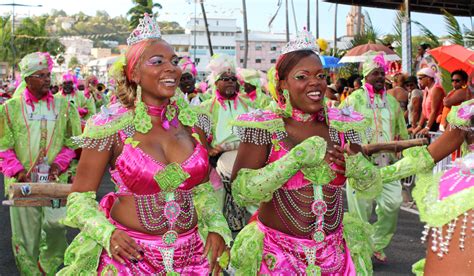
244,171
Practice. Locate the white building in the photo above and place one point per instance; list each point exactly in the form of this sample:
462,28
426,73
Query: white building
263,49
193,42
77,47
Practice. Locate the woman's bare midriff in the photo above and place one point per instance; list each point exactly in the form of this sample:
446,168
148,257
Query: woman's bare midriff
268,215
456,262
124,212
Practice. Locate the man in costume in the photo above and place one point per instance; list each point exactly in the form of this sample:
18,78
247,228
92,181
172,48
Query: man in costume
224,106
388,124
251,86
72,94
188,78
36,146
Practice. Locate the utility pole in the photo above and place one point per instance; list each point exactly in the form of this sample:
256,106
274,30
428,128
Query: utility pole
207,28
406,39
12,35
317,19
287,23
335,31
246,34
308,16
359,20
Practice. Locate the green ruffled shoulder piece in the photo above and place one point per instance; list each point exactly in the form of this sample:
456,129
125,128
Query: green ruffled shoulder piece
101,130
246,253
108,121
82,256
345,119
418,268
460,116
259,127
363,176
437,212
357,235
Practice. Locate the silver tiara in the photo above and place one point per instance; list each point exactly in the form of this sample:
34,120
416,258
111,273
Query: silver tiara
147,29
304,41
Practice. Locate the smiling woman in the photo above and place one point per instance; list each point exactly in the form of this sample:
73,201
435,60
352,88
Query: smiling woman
152,142
290,162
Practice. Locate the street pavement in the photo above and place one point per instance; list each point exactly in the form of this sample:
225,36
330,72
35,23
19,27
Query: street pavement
404,250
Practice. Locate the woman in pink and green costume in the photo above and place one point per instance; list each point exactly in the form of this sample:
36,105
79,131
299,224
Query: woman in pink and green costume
152,142
290,162
444,199
387,124
36,130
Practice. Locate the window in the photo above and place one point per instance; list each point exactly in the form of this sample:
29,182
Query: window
258,60
197,60
258,47
242,47
273,47
241,60
273,61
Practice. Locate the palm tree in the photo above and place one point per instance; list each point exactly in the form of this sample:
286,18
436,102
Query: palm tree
32,36
211,51
141,7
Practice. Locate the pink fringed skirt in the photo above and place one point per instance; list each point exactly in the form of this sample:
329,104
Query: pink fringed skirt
184,257
287,255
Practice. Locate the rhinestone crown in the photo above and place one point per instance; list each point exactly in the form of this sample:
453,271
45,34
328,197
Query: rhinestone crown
304,41
147,29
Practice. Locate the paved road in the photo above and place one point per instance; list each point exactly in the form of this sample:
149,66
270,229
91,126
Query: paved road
404,250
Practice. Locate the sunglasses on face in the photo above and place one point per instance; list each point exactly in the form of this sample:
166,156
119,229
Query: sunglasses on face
228,79
41,76
456,80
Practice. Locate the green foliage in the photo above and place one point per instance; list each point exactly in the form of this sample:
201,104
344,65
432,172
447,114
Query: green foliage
5,38
454,30
73,63
141,7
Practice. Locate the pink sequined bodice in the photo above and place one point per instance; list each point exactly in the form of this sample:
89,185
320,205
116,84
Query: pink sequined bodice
135,170
298,180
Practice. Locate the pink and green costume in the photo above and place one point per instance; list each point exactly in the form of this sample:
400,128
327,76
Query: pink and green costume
169,197
442,198
85,107
387,124
31,130
327,247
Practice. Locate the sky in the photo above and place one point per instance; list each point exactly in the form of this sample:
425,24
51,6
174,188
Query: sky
259,13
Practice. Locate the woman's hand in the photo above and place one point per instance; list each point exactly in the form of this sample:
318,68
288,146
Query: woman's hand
215,245
415,130
336,156
424,131
22,176
215,151
123,247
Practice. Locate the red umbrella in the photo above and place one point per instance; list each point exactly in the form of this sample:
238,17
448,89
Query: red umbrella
454,57
356,54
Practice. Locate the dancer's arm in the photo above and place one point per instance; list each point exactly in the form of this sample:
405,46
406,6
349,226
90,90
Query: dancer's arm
253,185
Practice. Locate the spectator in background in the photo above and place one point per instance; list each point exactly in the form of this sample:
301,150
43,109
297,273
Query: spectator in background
415,98
342,88
399,92
421,53
433,94
332,96
455,97
357,83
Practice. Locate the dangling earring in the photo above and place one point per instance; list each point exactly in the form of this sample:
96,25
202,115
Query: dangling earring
323,113
141,120
288,111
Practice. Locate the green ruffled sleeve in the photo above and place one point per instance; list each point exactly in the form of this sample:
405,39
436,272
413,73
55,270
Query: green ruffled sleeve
83,213
73,126
357,235
209,214
363,176
246,253
418,268
6,134
459,116
415,160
